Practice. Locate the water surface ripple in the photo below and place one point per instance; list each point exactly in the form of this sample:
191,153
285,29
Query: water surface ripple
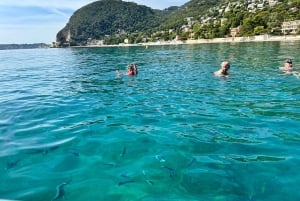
69,127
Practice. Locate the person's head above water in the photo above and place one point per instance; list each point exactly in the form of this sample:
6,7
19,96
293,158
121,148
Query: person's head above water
225,66
289,61
288,65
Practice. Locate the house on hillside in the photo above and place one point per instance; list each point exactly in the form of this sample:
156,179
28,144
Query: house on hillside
290,27
272,3
234,32
223,21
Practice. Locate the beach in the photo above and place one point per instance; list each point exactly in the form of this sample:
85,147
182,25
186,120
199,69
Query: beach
260,38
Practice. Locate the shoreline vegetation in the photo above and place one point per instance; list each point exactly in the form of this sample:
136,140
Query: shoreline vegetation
260,38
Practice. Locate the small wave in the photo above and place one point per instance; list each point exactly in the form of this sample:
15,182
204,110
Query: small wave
259,159
12,148
52,144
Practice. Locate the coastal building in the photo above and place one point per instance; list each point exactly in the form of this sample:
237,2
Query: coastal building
227,9
272,3
234,32
220,10
189,19
223,21
290,27
260,6
94,42
185,28
251,7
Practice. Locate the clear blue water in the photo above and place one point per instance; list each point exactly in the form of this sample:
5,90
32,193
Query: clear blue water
69,126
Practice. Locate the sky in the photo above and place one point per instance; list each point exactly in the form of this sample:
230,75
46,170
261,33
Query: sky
38,21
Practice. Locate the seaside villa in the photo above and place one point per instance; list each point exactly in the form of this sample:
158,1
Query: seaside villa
290,27
234,32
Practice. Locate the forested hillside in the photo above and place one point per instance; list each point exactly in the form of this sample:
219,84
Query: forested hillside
107,18
114,21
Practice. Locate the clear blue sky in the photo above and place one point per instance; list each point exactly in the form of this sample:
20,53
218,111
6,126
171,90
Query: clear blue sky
38,21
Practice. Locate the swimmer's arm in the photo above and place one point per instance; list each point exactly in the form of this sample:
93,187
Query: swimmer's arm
118,72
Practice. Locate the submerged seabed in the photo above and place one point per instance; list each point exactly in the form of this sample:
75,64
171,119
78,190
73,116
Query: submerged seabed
71,129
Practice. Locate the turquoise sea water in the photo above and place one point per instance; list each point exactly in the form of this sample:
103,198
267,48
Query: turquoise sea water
70,129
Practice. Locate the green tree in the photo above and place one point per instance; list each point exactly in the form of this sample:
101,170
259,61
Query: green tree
196,30
184,36
247,27
259,30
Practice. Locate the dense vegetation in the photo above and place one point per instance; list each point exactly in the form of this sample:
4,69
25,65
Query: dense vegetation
110,18
113,21
194,8
267,20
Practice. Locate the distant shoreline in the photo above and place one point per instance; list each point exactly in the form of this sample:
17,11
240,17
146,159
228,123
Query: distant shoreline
260,38
23,46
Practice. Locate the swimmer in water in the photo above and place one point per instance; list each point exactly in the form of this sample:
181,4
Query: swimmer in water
225,66
131,70
288,66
